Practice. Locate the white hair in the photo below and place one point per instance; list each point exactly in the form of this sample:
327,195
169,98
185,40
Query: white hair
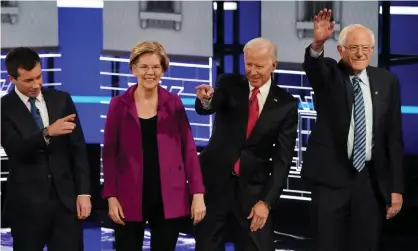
344,33
262,43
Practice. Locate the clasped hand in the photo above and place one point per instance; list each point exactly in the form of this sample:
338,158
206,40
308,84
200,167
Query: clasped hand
395,207
83,206
198,210
258,214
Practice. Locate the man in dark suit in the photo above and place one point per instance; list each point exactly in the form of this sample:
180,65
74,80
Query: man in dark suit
355,151
247,160
49,180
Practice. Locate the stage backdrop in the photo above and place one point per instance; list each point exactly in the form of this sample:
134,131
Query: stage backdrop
29,23
183,27
290,25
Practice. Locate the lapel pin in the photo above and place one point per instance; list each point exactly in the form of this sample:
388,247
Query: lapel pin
275,100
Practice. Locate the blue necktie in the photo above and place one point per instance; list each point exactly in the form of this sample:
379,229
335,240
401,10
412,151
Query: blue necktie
359,146
35,113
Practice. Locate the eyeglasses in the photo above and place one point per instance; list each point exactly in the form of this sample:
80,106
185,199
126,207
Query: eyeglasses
145,68
355,48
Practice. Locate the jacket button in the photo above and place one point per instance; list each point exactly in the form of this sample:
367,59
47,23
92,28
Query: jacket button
49,176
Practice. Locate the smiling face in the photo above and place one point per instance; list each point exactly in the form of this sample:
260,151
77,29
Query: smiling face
148,70
28,82
258,65
357,49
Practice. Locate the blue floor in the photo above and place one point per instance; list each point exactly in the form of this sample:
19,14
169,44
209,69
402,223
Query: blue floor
101,239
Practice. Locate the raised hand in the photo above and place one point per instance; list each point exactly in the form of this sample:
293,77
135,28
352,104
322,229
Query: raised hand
323,28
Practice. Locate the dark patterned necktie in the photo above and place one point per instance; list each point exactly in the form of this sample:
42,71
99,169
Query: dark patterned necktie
359,145
35,113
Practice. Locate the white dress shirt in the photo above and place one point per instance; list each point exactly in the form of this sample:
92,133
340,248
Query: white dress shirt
368,106
39,103
261,96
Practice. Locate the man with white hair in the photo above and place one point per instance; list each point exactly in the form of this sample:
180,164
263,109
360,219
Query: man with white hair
247,160
355,151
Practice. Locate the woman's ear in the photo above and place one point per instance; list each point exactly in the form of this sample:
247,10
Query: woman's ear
134,73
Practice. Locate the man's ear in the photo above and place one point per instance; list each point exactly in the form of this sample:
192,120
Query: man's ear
340,50
12,79
274,65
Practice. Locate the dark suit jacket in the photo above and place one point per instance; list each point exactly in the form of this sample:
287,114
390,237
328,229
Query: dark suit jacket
265,156
33,163
123,160
326,160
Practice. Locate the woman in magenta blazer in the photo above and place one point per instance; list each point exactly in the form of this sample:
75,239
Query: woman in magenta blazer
150,163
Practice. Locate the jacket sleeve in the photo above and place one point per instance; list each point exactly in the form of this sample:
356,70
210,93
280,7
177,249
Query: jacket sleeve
282,157
79,151
13,143
111,149
189,152
316,69
219,97
395,139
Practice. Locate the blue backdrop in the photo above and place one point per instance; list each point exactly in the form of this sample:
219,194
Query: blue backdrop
80,38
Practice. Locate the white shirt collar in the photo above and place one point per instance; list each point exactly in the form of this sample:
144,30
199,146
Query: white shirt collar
25,98
264,89
363,76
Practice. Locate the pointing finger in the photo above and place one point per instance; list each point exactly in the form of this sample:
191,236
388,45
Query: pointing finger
69,117
202,87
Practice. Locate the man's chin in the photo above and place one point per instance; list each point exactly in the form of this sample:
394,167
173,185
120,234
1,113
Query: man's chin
34,94
256,83
359,65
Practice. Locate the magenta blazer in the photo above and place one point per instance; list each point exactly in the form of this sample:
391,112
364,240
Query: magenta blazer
123,161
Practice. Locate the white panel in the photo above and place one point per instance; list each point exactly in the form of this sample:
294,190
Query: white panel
285,24
183,29
29,23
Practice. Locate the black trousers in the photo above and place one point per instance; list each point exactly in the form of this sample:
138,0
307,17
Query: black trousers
50,224
349,218
164,234
224,216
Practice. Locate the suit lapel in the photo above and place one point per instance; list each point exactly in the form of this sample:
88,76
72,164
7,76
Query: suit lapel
273,101
348,88
24,120
373,92
51,106
243,102
129,100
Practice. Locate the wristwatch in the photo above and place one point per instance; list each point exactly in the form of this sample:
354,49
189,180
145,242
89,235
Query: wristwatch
46,134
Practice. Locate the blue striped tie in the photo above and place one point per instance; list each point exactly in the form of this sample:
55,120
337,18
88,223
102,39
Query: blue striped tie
35,113
359,149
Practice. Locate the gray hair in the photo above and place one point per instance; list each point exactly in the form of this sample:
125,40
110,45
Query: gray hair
262,43
344,33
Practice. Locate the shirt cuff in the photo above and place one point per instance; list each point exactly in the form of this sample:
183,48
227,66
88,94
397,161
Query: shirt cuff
315,54
207,104
84,195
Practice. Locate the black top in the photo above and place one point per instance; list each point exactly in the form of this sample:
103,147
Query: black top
152,206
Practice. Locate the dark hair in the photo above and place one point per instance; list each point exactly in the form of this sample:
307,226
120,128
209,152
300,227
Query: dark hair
21,57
